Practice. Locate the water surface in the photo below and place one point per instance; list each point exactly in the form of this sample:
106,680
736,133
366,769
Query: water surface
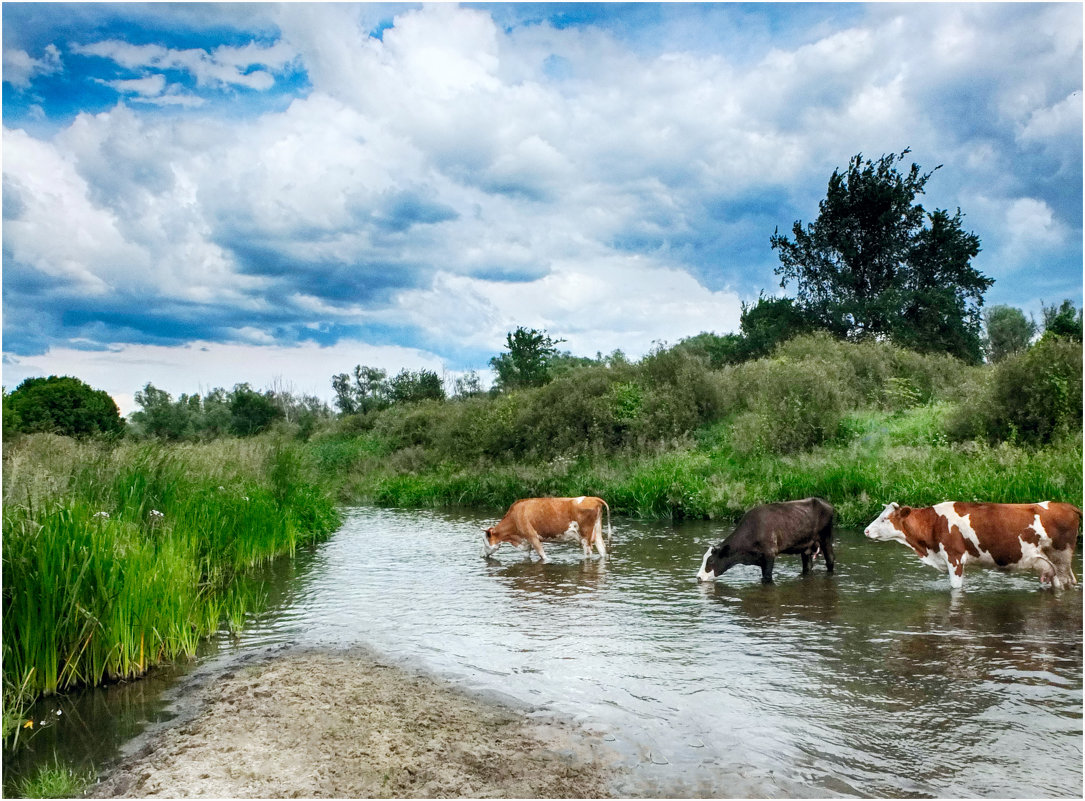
875,681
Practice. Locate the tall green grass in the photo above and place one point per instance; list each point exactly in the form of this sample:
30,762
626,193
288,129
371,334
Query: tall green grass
117,559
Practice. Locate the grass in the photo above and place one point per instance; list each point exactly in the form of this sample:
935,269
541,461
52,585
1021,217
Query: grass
878,457
119,558
55,781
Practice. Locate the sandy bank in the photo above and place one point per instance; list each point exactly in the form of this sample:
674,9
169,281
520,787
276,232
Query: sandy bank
345,725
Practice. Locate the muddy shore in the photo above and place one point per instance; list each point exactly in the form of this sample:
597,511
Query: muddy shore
345,724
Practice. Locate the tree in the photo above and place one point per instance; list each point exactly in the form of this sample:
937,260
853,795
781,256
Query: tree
1008,331
409,387
1060,321
467,385
251,412
63,405
366,391
527,363
768,323
875,264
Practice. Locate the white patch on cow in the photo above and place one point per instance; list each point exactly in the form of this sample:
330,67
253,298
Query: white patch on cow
884,531
702,574
597,538
579,500
487,549
572,533
1043,504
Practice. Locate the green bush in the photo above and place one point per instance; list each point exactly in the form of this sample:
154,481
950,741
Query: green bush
1031,397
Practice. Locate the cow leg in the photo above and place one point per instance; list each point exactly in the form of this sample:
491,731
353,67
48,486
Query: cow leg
826,540
807,562
766,569
537,545
597,537
956,574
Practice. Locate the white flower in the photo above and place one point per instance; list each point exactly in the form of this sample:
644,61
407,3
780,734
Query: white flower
103,515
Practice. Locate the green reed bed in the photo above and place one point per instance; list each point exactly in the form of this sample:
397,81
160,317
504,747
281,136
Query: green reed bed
116,559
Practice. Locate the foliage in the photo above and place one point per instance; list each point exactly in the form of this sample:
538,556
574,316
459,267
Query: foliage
61,405
413,387
875,264
367,391
55,781
1031,397
116,559
1060,321
1008,331
528,361
242,412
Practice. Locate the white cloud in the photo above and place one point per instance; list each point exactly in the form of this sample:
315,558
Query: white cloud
223,67
20,68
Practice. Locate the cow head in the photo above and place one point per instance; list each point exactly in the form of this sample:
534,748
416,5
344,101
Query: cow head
488,544
716,562
888,526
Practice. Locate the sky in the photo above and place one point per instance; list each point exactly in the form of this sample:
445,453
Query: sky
199,195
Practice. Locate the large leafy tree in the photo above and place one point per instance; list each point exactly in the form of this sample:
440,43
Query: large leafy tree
63,405
528,361
876,264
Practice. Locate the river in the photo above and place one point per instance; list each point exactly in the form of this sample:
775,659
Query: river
875,681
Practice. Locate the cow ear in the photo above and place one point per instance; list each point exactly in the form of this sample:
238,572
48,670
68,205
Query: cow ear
905,511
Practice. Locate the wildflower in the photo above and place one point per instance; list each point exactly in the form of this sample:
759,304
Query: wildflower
102,515
28,725
156,515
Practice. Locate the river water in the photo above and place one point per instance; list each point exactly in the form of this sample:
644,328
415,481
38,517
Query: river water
875,681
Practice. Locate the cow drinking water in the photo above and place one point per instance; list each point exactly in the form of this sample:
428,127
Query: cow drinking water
804,527
1009,536
529,521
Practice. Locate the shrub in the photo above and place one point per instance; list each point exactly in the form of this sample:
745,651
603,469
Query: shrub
62,405
1031,397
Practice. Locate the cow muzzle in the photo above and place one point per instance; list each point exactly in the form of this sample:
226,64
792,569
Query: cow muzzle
487,549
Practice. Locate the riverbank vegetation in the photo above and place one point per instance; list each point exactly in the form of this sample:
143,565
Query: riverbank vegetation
860,424
119,556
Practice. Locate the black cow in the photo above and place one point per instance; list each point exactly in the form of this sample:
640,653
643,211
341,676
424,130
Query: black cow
800,527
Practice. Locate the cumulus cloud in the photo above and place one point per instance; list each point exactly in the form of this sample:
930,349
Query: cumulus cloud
453,177
221,67
20,68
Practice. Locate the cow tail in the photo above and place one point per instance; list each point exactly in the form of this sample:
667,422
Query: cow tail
609,531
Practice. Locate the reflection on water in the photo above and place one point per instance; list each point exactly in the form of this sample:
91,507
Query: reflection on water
875,681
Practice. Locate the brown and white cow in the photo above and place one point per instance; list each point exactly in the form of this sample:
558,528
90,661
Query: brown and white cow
529,521
1009,536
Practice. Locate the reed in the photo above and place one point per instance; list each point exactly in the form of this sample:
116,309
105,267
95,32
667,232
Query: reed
117,559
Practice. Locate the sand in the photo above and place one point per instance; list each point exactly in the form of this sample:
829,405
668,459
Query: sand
345,724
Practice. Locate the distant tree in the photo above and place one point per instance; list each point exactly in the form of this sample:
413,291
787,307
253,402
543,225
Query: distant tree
875,264
715,349
11,417
467,385
527,363
250,411
767,323
160,416
62,405
1008,331
411,387
1062,321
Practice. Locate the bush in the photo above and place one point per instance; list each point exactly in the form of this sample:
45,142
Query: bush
61,405
1031,397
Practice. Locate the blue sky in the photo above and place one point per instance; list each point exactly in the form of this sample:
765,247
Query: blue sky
198,195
